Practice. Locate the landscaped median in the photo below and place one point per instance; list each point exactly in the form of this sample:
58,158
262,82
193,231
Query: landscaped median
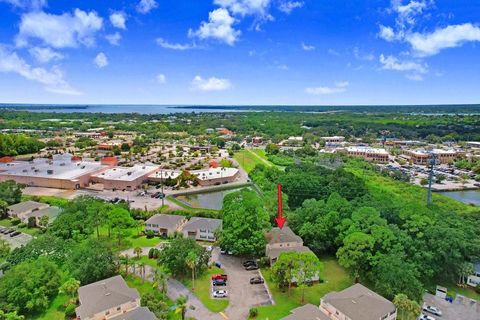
204,292
334,278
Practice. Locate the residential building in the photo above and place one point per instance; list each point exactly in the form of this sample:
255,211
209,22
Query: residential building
378,155
22,210
110,299
306,312
51,212
283,240
124,178
357,303
460,308
474,279
333,139
165,224
216,176
203,229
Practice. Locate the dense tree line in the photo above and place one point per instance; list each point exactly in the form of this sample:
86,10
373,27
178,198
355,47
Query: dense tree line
18,144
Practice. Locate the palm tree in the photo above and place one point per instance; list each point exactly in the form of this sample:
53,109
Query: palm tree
191,261
160,281
138,251
125,260
141,266
181,306
401,301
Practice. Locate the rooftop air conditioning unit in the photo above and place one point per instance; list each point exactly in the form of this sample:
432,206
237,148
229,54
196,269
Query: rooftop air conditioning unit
49,171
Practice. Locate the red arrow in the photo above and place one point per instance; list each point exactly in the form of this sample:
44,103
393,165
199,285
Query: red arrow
280,219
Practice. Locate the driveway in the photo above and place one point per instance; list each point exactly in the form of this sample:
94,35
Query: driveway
17,241
242,294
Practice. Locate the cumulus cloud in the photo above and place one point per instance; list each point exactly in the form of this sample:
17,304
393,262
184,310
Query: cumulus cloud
45,55
161,78
174,46
415,70
210,84
307,47
101,60
145,6
27,4
340,86
59,31
386,33
219,27
53,79
245,7
288,6
114,38
452,36
118,20
408,12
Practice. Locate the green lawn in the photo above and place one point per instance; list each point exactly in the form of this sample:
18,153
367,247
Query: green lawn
248,159
203,289
453,290
335,279
131,239
56,309
31,231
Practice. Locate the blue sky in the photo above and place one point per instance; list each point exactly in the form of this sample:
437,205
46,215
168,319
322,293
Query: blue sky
240,51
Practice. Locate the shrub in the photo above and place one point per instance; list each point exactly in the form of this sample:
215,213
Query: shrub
22,225
150,234
70,311
477,288
253,313
15,221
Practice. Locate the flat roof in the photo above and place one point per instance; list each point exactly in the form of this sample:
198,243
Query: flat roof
52,169
214,173
126,173
367,150
172,174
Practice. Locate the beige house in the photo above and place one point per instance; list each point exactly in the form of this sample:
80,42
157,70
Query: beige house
357,303
111,299
165,224
202,229
24,209
283,240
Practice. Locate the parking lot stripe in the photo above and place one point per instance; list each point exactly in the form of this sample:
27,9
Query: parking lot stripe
224,315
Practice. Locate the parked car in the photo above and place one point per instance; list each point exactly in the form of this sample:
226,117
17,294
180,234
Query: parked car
252,267
248,263
432,310
218,264
223,277
154,195
256,280
425,317
14,234
9,231
220,294
219,283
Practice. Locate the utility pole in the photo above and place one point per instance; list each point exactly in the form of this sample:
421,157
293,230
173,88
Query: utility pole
432,160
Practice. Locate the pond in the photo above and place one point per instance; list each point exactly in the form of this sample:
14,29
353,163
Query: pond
466,196
208,200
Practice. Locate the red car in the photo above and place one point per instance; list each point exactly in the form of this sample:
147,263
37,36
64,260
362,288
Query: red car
220,277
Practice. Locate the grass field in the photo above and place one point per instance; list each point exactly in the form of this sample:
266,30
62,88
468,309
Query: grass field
56,309
203,289
335,279
248,159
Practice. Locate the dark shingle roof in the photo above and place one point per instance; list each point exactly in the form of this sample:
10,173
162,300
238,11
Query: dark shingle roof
202,223
277,235
141,313
168,221
306,312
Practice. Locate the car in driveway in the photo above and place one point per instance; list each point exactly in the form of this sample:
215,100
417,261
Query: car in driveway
219,283
248,263
220,294
432,310
256,280
425,317
223,277
14,234
252,267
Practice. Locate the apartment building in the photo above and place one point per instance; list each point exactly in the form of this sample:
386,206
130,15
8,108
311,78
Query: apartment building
378,155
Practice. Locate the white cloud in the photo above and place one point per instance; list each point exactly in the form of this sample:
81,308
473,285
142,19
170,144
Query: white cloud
114,38
45,55
52,79
340,86
145,6
219,27
362,56
288,6
414,70
307,47
408,12
101,60
118,20
452,36
386,33
245,7
161,78
210,84
27,4
59,31
414,77
174,46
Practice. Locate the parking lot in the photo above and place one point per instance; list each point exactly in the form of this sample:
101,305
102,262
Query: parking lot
17,241
242,294
461,308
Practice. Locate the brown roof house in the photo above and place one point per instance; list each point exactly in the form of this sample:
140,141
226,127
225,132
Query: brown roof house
306,312
165,224
111,299
202,228
283,240
357,303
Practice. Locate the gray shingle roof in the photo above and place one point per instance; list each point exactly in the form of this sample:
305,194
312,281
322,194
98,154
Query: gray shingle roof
102,295
168,221
26,206
306,312
51,212
202,223
141,313
277,235
274,253
359,303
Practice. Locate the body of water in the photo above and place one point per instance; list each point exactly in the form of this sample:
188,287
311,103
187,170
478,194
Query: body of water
467,196
208,200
